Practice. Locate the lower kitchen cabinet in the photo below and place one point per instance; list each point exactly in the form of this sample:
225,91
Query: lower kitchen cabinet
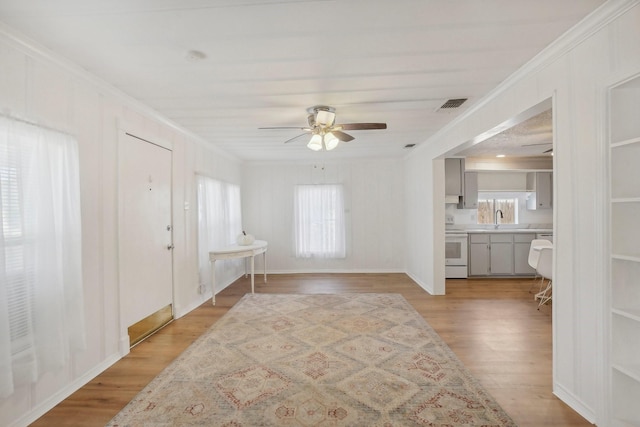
500,254
501,259
521,246
479,255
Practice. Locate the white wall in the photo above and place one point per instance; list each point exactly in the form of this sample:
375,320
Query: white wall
37,86
425,211
374,213
576,72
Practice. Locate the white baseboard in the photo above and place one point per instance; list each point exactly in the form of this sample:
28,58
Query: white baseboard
575,403
180,311
358,271
125,345
420,283
65,392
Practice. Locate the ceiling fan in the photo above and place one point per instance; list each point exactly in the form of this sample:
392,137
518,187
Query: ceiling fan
325,133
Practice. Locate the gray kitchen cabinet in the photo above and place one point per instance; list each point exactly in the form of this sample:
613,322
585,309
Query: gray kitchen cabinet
479,254
453,176
521,246
501,259
500,254
470,191
540,189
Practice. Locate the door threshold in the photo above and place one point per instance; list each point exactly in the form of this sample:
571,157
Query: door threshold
150,324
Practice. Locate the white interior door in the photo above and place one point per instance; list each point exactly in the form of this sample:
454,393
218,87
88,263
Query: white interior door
146,283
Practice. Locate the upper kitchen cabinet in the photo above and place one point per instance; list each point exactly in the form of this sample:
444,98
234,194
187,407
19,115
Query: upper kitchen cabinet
453,177
624,261
460,187
470,191
540,189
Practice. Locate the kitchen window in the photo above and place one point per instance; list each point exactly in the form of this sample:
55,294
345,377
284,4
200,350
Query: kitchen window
490,204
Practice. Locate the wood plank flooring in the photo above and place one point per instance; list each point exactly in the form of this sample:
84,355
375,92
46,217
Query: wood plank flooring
493,326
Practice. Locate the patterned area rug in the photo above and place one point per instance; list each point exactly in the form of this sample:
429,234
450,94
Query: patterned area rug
316,360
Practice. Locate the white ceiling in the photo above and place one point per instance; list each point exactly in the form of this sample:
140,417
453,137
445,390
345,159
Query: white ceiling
267,61
532,137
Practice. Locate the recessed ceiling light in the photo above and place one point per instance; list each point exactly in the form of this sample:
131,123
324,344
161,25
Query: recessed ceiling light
500,155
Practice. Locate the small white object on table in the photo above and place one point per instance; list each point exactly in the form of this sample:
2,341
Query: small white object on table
238,251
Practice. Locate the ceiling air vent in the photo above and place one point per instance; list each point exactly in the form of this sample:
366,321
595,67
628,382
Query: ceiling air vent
452,103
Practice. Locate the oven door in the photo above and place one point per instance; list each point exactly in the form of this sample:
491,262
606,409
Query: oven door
455,250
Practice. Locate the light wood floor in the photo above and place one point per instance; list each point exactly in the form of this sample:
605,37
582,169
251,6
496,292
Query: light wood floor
492,326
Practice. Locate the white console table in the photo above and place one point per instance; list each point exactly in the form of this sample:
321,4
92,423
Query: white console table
237,251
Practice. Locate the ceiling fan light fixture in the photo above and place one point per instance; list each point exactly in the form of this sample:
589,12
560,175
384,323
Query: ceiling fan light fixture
325,118
330,141
315,143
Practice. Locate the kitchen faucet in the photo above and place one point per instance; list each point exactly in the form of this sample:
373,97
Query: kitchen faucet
495,217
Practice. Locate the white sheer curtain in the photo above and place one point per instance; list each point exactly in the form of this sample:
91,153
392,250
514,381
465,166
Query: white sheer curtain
319,221
219,220
41,298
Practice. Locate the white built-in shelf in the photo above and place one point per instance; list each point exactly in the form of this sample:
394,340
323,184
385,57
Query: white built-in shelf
625,258
624,399
629,313
625,232
625,142
632,371
626,200
624,285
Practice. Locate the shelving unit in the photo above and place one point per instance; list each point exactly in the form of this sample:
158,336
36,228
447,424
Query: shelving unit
624,297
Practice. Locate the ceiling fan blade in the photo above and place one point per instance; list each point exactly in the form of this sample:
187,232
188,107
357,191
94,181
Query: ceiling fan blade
288,127
295,137
362,126
344,137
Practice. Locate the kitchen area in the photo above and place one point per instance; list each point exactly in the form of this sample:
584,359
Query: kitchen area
493,211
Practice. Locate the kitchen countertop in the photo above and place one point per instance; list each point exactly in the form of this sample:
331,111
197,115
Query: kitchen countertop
498,230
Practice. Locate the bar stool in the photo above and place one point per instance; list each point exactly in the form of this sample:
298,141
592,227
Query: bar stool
534,254
545,270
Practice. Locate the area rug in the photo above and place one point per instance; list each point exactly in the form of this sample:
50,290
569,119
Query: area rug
316,360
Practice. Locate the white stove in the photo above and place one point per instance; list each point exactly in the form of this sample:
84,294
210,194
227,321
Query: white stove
456,255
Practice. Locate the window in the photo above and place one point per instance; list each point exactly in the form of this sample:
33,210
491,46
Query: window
319,221
41,295
490,203
219,219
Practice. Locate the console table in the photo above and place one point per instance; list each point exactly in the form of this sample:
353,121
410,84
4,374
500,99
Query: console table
234,252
